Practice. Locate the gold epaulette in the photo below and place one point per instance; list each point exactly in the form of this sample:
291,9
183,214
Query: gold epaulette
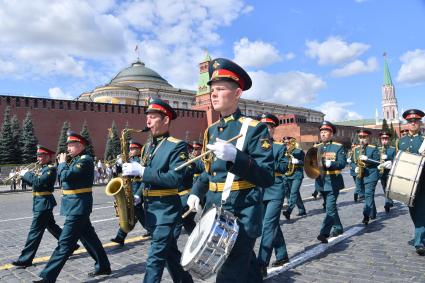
371,145
174,140
83,156
51,166
253,122
337,143
276,142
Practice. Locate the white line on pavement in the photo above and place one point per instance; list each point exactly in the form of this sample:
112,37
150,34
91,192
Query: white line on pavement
321,248
103,220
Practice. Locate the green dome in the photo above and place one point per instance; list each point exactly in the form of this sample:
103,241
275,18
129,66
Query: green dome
139,73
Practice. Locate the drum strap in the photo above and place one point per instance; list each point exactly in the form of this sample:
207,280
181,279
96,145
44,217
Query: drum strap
230,177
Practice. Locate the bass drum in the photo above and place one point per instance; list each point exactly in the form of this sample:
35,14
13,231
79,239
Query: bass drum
405,175
210,243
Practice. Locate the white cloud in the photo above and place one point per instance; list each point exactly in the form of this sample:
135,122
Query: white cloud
338,111
334,50
7,67
295,88
89,39
413,69
356,67
255,53
57,93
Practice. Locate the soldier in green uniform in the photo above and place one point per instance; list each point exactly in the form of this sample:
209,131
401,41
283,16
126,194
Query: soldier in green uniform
414,142
272,203
295,156
387,154
404,132
330,181
160,188
42,183
134,156
77,202
368,175
253,169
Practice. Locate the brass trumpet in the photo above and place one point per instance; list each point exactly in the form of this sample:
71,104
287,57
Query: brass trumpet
30,167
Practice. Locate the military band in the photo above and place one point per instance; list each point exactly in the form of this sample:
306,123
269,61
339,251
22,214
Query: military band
387,155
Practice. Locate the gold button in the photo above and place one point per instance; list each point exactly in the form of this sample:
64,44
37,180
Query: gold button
214,173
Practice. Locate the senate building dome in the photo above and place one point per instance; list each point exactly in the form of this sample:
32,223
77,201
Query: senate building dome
137,83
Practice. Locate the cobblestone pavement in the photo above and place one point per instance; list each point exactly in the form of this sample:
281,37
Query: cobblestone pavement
381,252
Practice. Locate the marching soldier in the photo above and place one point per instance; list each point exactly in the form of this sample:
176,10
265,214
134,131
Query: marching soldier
43,202
387,154
160,187
404,132
330,182
135,152
414,143
77,202
293,180
367,175
358,192
253,168
272,202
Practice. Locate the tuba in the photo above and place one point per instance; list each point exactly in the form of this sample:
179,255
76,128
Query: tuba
291,147
120,189
381,160
313,165
360,163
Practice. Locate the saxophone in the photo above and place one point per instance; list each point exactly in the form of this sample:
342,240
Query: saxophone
381,160
288,154
360,163
120,189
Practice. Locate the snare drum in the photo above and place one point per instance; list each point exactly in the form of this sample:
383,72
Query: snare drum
210,243
405,175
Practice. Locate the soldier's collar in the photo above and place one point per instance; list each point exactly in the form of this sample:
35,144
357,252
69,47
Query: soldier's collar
235,116
159,138
412,136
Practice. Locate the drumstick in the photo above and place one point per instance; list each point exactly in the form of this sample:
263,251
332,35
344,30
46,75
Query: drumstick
188,212
203,154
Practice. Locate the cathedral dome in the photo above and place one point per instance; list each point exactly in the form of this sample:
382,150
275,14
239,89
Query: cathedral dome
137,75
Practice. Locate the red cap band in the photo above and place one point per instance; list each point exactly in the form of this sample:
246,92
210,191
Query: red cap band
133,145
268,120
75,139
160,109
413,116
327,127
223,73
41,151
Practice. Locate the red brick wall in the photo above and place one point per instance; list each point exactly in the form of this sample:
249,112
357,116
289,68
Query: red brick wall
48,121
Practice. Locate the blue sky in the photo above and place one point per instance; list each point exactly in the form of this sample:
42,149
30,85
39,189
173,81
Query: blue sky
325,55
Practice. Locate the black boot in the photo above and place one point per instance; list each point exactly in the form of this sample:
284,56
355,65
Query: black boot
365,220
264,271
322,238
21,264
280,262
387,208
287,214
100,272
356,197
118,241
420,251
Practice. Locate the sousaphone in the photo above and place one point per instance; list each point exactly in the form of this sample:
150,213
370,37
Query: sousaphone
313,163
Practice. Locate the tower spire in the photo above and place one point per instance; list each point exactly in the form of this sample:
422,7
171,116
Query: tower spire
389,100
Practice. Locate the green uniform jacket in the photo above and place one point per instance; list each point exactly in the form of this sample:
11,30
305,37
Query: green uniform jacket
410,143
159,174
332,180
253,164
198,168
371,172
42,182
78,174
276,191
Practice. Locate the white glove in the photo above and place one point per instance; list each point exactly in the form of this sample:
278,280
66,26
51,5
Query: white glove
132,169
380,166
348,160
357,170
22,172
384,156
421,149
295,161
388,164
223,151
119,161
363,157
137,200
193,202
328,163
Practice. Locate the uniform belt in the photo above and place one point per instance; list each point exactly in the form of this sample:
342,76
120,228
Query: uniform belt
160,193
38,194
196,175
236,186
277,174
332,172
185,192
76,191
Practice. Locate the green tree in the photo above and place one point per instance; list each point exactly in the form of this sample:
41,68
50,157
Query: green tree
86,134
29,140
62,148
17,135
6,140
393,135
113,146
385,127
